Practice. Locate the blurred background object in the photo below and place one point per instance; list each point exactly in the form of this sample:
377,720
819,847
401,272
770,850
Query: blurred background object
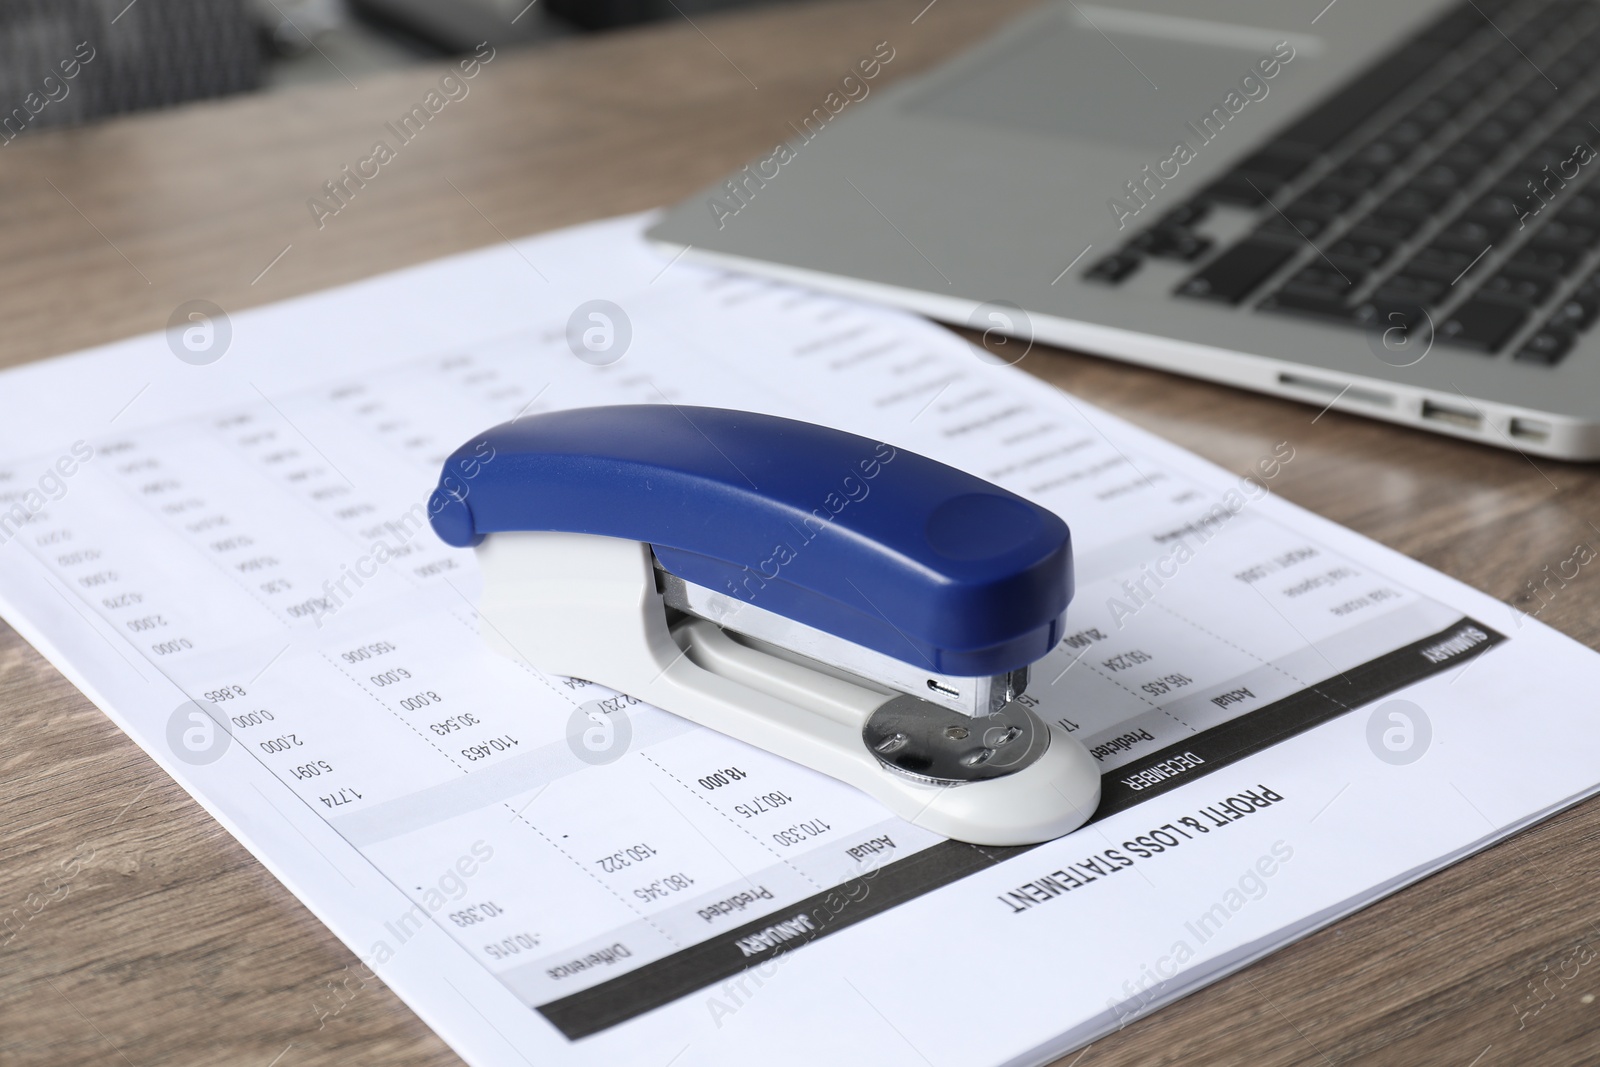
69,61
606,14
318,40
66,61
292,27
454,26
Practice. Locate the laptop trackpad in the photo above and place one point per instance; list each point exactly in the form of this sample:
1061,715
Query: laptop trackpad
1134,89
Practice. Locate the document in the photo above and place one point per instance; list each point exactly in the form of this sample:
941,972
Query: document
219,533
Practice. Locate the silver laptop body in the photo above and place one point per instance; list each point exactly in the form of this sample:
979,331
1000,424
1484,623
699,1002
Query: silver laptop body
1247,191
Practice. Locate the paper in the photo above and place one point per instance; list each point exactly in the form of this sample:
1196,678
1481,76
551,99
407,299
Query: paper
550,872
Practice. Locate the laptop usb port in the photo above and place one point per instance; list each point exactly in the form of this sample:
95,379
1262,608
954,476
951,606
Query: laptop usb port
1467,420
1530,429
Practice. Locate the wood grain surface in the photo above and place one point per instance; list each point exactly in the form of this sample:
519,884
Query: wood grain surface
170,945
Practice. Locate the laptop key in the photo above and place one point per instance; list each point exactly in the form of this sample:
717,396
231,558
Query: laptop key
1574,235
1392,313
1582,207
1547,348
1573,316
1482,325
1323,199
1175,244
1455,94
1354,177
1538,91
1461,23
1488,67
1491,133
1519,188
1409,132
1319,289
1384,227
1560,146
1382,153
1519,112
1568,70
1236,272
1437,261
1494,209
1469,235
1542,165
1338,115
1465,158
1284,166
1553,259
1524,289
1574,133
1113,268
1184,215
1242,189
1587,296
1409,289
1292,223
1320,277
1443,177
1412,202
1316,302
1432,113
1365,251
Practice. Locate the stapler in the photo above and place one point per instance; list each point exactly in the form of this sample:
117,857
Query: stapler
859,609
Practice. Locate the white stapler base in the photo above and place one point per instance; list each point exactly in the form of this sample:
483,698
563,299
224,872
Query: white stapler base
586,606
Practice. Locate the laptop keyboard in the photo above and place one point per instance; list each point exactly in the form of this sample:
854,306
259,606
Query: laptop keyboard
1450,182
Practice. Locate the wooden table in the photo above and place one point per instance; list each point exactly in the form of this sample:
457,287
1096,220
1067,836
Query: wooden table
175,947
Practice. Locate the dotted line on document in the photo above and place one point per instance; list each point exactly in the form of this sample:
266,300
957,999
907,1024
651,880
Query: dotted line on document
1118,683
729,820
431,743
1243,651
624,901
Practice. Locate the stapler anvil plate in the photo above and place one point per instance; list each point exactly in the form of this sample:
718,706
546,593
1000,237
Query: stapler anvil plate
859,609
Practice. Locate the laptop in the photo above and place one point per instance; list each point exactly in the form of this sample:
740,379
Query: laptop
1387,209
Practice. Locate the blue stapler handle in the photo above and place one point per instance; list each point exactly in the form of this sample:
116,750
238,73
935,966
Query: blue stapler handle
876,545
